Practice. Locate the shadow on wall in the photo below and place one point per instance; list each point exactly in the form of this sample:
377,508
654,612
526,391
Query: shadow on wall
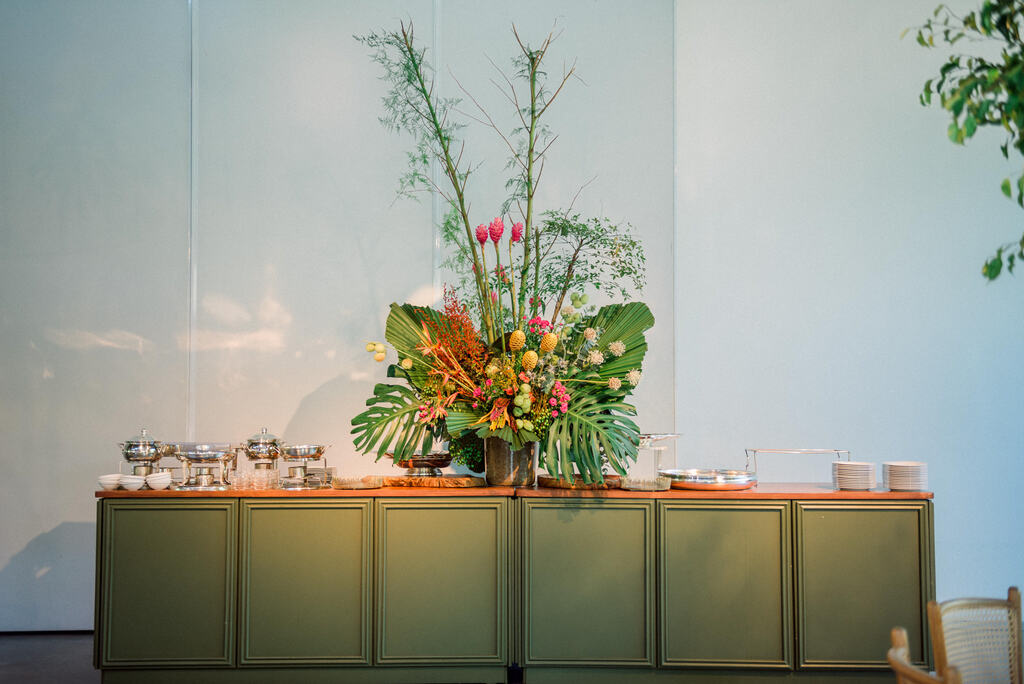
35,584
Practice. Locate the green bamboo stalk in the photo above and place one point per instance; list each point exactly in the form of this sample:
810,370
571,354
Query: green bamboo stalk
451,172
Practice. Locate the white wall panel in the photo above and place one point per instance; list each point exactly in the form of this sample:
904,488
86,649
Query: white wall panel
93,229
300,245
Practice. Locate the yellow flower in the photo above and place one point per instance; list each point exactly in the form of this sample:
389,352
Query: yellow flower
548,342
516,340
529,360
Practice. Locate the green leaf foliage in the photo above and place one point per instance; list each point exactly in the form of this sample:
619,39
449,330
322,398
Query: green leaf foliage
596,426
981,90
390,425
627,323
404,331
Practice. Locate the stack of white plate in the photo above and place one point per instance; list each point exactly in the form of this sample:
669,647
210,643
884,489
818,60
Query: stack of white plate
853,475
905,476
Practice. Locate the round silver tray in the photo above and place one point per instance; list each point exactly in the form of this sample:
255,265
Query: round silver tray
710,478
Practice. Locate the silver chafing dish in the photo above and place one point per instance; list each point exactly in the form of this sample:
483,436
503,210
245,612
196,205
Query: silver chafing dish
143,452
205,465
298,475
263,449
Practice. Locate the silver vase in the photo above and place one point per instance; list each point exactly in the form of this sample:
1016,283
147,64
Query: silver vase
508,468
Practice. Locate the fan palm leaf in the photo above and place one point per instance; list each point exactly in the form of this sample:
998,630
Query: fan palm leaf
626,323
404,331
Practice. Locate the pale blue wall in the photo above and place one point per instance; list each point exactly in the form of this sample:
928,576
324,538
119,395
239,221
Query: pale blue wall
830,241
196,204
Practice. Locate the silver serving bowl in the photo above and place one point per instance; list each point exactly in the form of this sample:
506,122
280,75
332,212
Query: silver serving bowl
304,452
142,449
710,478
137,452
202,452
262,446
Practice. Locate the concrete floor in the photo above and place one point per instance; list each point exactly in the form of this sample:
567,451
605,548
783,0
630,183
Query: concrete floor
34,658
65,657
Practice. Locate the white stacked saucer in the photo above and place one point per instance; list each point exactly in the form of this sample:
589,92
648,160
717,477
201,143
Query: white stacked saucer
858,475
905,476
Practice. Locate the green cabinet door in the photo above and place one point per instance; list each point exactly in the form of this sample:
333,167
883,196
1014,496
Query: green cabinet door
862,568
305,582
588,581
724,578
442,580
167,588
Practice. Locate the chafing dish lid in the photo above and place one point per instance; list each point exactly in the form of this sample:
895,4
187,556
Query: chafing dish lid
143,439
263,438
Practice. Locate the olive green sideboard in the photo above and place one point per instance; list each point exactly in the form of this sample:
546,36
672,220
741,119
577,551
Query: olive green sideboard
601,588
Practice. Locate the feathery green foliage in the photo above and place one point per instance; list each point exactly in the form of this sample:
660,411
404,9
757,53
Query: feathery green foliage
978,91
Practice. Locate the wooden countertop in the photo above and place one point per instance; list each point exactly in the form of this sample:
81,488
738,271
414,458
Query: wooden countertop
768,490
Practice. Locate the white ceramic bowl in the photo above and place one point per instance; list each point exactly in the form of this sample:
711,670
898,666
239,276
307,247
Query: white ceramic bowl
132,482
110,481
159,481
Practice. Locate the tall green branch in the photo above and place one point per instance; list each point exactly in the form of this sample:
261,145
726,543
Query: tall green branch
413,107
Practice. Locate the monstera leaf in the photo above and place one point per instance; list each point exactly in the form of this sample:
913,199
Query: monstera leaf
596,427
391,419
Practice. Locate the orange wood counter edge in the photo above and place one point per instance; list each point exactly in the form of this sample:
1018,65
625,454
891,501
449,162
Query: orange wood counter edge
768,490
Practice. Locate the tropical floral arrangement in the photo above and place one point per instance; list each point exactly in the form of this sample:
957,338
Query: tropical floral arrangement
506,357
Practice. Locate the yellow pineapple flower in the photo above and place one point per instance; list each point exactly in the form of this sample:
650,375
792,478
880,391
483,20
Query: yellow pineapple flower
529,360
548,342
516,340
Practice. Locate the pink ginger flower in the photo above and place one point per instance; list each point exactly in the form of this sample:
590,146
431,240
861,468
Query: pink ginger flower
497,228
517,232
494,296
481,233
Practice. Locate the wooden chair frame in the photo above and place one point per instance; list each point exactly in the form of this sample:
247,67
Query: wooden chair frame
906,673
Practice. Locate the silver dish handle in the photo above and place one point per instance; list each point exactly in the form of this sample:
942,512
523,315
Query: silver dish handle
752,454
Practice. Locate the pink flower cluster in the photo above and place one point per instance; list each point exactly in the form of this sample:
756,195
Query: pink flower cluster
496,229
428,413
560,399
538,325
